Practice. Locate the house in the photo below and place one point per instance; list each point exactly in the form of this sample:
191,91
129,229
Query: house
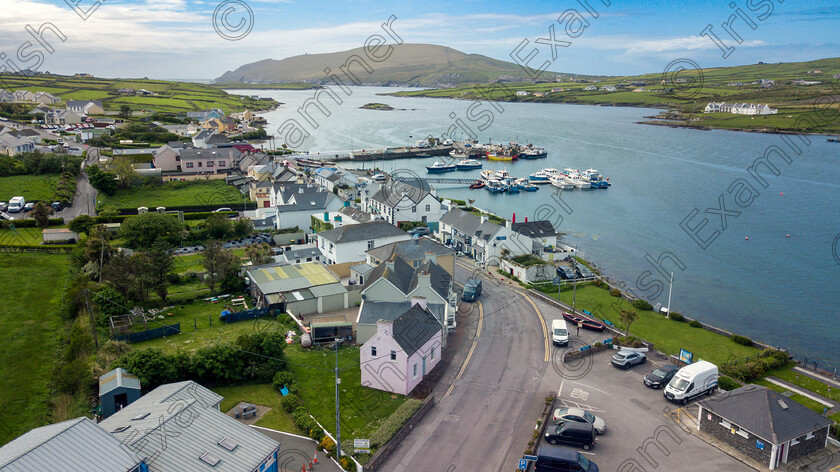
305,253
590,88
44,98
85,107
208,138
457,228
213,160
402,351
117,389
25,133
348,243
557,90
298,211
393,286
359,273
200,437
400,202
182,130
77,444
805,82
23,96
168,157
522,93
12,145
415,252
42,110
326,177
205,115
608,88
220,125
493,242
542,232
355,214
62,117
764,425
305,288
6,97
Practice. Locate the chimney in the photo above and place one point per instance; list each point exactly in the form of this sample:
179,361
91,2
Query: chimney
424,280
419,301
508,224
526,219
483,218
430,256
514,217
389,265
384,327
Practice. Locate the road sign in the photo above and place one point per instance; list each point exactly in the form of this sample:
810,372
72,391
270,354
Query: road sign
530,458
523,464
361,446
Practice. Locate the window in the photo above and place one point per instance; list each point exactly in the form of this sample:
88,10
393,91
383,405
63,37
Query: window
433,353
373,351
199,164
414,370
393,355
189,165
428,208
809,436
726,424
222,164
228,444
370,244
414,209
308,259
209,163
210,459
331,247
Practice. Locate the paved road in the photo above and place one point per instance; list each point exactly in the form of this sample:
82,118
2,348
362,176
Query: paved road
85,196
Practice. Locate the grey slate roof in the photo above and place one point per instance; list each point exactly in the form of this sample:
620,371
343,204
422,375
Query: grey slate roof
757,409
438,278
391,193
412,250
198,430
302,254
313,201
77,444
461,220
372,312
362,268
356,214
414,328
400,276
535,229
361,232
117,378
487,230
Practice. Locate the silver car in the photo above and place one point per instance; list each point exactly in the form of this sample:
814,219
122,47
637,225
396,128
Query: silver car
580,416
627,359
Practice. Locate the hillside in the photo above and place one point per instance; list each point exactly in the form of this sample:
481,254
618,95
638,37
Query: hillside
423,65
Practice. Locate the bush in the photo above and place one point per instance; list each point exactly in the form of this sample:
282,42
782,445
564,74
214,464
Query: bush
676,317
636,344
695,324
393,423
615,292
285,378
598,283
742,340
642,305
291,402
725,383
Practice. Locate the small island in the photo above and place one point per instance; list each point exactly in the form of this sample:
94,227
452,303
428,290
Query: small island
376,106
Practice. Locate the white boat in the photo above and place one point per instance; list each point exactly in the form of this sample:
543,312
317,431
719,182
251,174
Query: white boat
560,181
502,174
539,177
574,177
595,178
458,154
468,164
488,174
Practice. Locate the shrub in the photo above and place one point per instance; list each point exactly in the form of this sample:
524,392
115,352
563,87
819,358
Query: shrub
326,443
615,292
291,402
598,282
285,378
727,384
676,317
642,305
695,324
346,464
597,344
393,423
636,344
742,340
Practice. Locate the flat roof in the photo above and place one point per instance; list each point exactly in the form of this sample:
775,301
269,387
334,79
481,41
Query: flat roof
286,278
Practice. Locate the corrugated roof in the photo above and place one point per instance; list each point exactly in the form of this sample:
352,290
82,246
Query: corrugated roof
77,445
117,378
285,278
327,290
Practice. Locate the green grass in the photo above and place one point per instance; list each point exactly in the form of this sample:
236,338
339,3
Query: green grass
259,394
33,284
21,236
30,187
789,375
172,194
814,405
362,408
193,262
667,335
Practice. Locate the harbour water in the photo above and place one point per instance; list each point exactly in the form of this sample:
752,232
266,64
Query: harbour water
779,286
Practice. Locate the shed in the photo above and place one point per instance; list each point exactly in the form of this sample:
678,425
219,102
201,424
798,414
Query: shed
117,389
59,235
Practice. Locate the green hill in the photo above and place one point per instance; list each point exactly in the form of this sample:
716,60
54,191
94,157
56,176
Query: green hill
424,65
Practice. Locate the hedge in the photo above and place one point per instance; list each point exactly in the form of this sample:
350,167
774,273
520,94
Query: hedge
31,223
742,340
727,384
187,208
393,423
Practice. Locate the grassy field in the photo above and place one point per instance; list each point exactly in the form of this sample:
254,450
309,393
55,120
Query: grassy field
667,335
259,394
30,187
28,333
192,262
172,194
362,408
21,236
172,96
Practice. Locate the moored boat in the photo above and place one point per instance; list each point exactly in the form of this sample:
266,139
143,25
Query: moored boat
584,322
469,164
440,167
477,184
595,178
495,186
559,181
488,174
494,156
523,184
455,154
533,153
539,177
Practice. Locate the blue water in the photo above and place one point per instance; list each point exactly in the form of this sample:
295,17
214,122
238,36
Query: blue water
776,289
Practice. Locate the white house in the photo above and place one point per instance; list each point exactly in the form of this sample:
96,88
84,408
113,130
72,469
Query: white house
492,242
45,98
590,88
522,93
13,145
298,211
542,233
399,202
85,107
349,243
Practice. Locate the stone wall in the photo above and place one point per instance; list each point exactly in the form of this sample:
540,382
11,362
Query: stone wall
808,446
744,445
385,451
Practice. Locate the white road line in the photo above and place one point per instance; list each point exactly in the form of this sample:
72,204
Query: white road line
560,390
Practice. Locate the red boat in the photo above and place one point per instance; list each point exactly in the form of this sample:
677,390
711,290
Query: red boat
584,322
477,184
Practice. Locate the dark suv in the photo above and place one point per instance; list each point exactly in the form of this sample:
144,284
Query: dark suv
572,433
553,458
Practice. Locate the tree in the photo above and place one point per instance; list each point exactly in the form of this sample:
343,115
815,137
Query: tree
108,302
243,227
258,253
220,263
108,213
160,262
144,230
122,169
82,224
128,276
218,226
627,318
101,180
125,111
41,213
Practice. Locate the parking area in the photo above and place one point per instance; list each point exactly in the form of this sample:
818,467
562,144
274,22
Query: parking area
641,434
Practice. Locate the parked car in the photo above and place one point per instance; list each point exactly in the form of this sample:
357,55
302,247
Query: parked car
583,272
16,204
580,416
627,359
556,458
4,206
29,206
572,433
221,210
566,273
57,206
419,231
660,377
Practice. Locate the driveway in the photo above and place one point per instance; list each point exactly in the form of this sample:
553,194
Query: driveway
84,200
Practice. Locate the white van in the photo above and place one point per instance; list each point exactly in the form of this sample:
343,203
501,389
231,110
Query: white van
691,381
559,332
16,204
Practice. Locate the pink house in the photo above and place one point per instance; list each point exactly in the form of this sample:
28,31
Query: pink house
402,352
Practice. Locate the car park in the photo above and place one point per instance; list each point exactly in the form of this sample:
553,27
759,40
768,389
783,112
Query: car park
555,458
571,433
566,273
29,206
626,359
4,206
580,416
660,377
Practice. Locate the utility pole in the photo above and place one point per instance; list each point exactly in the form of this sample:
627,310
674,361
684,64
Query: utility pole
670,286
574,282
337,414
92,322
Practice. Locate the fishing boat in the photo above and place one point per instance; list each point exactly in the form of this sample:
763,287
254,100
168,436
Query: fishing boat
586,323
559,181
502,174
495,186
574,177
469,164
526,186
488,174
440,167
495,156
834,140
539,177
456,154
477,184
533,153
595,179
511,185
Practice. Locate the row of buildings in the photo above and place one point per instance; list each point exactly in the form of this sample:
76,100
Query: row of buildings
740,108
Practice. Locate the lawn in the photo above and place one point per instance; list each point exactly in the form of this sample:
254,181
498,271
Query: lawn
667,335
21,236
174,194
30,187
790,375
259,394
29,324
816,406
193,262
362,409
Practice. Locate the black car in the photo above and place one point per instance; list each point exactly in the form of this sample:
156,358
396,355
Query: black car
572,433
57,206
660,377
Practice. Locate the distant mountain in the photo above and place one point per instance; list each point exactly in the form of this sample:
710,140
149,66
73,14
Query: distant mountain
422,65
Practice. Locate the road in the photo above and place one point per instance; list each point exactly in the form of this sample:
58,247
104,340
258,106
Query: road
85,197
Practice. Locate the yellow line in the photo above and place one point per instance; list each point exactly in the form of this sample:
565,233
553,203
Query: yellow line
472,348
542,322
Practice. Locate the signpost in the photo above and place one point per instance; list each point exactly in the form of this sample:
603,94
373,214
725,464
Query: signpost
361,446
523,464
686,356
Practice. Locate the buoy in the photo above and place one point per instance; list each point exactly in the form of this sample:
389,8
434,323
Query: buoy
781,193
747,238
788,235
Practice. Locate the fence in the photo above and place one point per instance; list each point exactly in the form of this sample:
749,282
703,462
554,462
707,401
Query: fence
251,314
150,333
46,249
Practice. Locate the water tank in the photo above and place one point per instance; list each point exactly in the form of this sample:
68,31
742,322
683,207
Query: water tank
161,209
306,340
141,210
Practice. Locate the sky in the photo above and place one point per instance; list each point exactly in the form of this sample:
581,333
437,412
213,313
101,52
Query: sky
202,39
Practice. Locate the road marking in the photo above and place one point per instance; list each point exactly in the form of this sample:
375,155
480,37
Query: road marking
590,386
587,453
560,390
542,321
579,394
472,348
835,469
